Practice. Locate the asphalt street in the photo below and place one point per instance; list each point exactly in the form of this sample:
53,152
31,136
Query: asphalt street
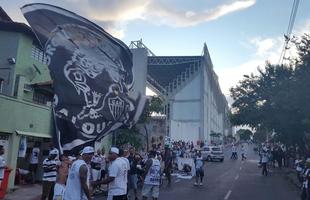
232,180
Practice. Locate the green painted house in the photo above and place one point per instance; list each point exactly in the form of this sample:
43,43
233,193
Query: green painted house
25,93
25,97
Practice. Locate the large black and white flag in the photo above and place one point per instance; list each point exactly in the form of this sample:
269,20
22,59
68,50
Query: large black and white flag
92,75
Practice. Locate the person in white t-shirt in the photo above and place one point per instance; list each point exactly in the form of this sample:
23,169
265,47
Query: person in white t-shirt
117,177
124,156
2,164
234,154
103,164
34,161
77,187
151,176
242,150
95,164
199,165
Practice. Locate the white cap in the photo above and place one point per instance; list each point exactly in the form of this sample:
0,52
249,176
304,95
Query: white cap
114,150
71,158
87,150
54,152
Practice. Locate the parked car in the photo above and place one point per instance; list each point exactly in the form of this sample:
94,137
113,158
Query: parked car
212,153
206,152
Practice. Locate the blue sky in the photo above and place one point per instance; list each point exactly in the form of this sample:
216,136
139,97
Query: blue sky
240,34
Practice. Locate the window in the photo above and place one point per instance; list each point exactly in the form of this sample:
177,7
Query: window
1,85
38,55
40,98
216,149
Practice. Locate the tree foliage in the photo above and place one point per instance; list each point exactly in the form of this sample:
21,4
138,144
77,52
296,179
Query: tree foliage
132,136
260,136
128,136
244,134
153,105
277,98
215,134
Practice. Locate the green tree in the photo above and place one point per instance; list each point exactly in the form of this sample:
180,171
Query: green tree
128,136
153,105
260,136
244,134
277,98
132,136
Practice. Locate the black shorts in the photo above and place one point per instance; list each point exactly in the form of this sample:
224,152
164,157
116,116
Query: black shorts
33,167
200,172
120,197
103,174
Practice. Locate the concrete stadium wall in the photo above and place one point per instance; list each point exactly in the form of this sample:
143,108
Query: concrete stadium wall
187,131
186,112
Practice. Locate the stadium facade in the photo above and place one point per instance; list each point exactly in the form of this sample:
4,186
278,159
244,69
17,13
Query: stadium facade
194,104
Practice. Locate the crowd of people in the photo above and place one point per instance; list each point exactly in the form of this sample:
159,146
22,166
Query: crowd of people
278,155
118,175
124,172
234,152
182,149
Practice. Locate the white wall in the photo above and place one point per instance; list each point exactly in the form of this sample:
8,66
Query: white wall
187,131
193,111
190,91
185,112
213,120
207,106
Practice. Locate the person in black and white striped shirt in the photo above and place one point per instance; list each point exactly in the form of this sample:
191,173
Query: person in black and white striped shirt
2,164
50,166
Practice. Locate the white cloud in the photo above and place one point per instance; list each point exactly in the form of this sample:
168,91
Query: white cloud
116,14
230,76
158,12
266,49
264,45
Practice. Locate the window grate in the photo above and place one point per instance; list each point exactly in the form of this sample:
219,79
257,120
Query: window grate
38,55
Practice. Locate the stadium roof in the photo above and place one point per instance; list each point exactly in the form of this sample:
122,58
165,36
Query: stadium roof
164,69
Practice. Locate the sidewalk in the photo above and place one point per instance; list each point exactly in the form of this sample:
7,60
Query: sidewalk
290,175
26,192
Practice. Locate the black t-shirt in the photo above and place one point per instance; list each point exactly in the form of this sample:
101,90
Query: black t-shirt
133,165
168,160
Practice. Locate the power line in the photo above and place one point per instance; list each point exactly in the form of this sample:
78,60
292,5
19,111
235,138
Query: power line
287,36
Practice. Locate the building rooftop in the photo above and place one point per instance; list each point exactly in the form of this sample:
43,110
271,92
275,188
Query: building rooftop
7,24
164,69
4,16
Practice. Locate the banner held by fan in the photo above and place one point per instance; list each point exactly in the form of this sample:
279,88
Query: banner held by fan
92,75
